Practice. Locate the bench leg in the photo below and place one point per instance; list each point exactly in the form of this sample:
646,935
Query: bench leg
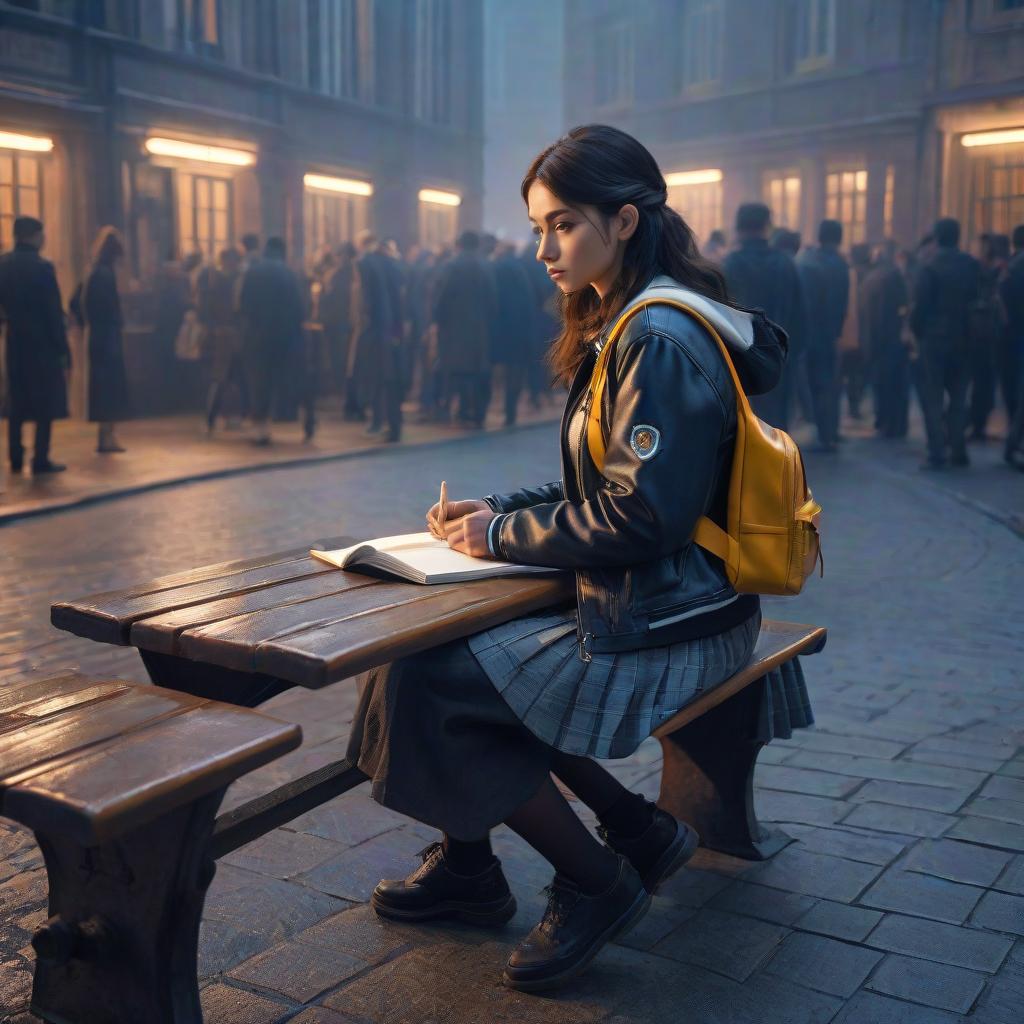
246,689
707,780
122,939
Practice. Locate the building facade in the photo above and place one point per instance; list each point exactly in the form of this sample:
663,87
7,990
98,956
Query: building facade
523,104
188,123
882,114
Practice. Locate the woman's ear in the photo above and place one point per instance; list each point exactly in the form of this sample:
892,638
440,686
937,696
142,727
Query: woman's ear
628,218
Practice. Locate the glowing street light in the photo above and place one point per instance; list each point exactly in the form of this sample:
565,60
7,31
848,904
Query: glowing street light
703,177
31,143
194,151
1000,138
326,183
433,195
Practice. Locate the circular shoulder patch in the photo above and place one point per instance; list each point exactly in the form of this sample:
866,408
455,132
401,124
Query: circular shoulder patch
644,440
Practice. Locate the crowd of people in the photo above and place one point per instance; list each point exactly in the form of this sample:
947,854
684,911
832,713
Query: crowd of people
453,326
449,325
889,321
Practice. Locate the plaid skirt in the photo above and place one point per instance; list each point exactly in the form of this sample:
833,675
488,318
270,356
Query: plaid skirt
608,706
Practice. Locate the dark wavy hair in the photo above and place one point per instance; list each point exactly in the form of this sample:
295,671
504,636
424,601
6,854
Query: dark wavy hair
600,166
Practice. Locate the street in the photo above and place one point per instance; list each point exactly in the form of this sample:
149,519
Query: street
902,899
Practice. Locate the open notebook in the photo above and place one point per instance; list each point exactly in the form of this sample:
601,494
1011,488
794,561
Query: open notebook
420,558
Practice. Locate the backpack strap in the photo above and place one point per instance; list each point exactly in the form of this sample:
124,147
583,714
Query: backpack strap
708,535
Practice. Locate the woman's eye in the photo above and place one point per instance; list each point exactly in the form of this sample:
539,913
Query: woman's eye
563,224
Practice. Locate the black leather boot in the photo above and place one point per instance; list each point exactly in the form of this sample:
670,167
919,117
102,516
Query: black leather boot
659,851
574,929
434,891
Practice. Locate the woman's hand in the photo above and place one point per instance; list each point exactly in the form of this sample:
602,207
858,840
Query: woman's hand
469,534
456,510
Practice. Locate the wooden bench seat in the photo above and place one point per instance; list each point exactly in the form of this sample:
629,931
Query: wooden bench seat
120,784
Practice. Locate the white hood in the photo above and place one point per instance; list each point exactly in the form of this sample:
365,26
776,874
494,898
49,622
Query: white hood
734,325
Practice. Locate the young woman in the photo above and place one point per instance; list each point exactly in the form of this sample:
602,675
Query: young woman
468,734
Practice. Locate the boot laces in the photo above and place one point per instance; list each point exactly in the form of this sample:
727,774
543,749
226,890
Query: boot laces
563,895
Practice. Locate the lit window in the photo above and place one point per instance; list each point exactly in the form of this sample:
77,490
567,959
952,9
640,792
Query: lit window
997,191
846,198
332,217
21,192
702,42
815,33
204,214
432,96
438,224
700,205
782,197
613,65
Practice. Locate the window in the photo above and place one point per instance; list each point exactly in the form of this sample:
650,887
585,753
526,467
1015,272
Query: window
613,65
438,225
998,192
193,25
702,43
204,214
339,43
782,196
815,33
846,197
432,96
700,206
21,193
331,218
887,202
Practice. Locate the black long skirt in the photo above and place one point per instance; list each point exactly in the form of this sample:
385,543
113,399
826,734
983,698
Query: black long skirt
440,745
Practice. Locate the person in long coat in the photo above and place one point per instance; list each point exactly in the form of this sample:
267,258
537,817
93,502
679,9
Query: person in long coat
762,277
512,337
216,290
38,357
464,310
97,307
372,319
271,308
884,301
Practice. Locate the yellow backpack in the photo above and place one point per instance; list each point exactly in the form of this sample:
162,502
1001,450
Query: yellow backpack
772,542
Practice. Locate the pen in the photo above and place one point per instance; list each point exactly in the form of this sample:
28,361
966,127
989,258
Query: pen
442,512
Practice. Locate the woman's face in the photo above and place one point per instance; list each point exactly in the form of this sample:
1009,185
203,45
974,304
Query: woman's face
575,244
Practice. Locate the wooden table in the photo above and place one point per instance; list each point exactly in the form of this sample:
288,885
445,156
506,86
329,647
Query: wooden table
244,631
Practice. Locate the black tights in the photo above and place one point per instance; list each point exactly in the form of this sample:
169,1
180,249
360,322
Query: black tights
549,824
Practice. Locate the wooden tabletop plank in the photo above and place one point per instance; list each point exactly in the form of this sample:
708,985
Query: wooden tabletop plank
14,701
161,633
326,653
108,617
232,643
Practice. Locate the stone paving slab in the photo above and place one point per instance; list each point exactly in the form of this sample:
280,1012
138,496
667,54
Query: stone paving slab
902,801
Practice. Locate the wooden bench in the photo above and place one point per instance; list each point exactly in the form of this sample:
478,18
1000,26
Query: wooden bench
120,784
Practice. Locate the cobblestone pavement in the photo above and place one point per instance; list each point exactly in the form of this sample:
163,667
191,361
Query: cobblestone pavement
171,449
901,901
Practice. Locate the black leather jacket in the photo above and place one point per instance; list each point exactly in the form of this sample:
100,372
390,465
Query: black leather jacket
640,581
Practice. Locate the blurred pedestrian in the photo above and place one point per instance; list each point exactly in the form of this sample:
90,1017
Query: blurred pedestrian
395,356
987,328
759,276
335,312
38,358
827,274
464,310
854,356
946,287
716,247
271,309
97,305
372,321
796,361
883,313
512,341
1011,290
217,288
547,323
